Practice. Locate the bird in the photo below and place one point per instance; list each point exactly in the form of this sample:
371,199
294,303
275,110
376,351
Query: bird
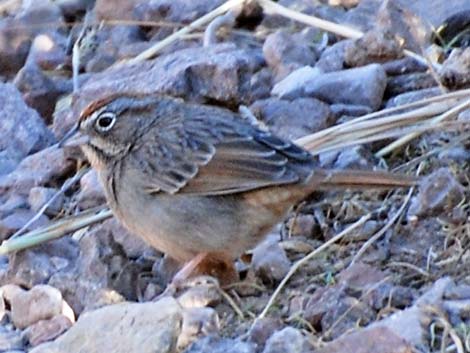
198,182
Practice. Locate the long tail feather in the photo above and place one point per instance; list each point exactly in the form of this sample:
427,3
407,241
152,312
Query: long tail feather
361,179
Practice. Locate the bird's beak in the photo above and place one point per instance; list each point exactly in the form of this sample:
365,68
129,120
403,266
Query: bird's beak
73,138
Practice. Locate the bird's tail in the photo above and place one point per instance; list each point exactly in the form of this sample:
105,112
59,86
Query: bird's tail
360,179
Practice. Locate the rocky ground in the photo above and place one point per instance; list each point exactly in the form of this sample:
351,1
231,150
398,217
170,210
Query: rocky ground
398,278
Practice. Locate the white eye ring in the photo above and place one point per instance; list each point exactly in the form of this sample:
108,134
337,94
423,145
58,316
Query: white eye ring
105,121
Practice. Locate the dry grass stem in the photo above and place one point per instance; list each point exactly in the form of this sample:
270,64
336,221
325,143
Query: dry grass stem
210,34
409,266
382,231
56,230
449,97
424,116
307,258
41,211
346,312
350,132
271,8
232,303
152,51
404,140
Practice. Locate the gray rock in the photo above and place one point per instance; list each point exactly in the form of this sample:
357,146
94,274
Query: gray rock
133,245
398,17
22,129
261,84
47,330
117,10
41,302
377,340
285,53
197,323
408,323
409,82
112,44
360,86
39,196
455,71
42,14
14,47
414,96
403,66
36,265
302,225
101,275
39,169
288,340
348,110
39,91
387,294
17,219
201,294
332,58
293,119
457,154
361,277
375,46
346,313
10,339
91,192
292,86
435,11
458,292
16,34
262,329
179,11
74,7
211,344
323,300
438,192
8,161
219,73
14,202
122,328
270,261
464,116
63,117
353,157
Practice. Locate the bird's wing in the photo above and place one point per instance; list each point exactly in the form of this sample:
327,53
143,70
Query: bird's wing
209,151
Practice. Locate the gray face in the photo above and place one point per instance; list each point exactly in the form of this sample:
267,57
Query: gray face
112,129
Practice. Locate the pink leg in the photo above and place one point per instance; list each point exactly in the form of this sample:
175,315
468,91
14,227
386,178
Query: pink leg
217,265
189,269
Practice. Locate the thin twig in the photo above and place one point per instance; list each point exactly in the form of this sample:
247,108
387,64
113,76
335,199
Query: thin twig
210,34
307,258
232,303
382,231
348,310
155,49
422,272
43,209
56,230
271,7
424,102
405,139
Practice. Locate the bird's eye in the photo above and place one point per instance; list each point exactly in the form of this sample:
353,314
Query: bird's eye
105,121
